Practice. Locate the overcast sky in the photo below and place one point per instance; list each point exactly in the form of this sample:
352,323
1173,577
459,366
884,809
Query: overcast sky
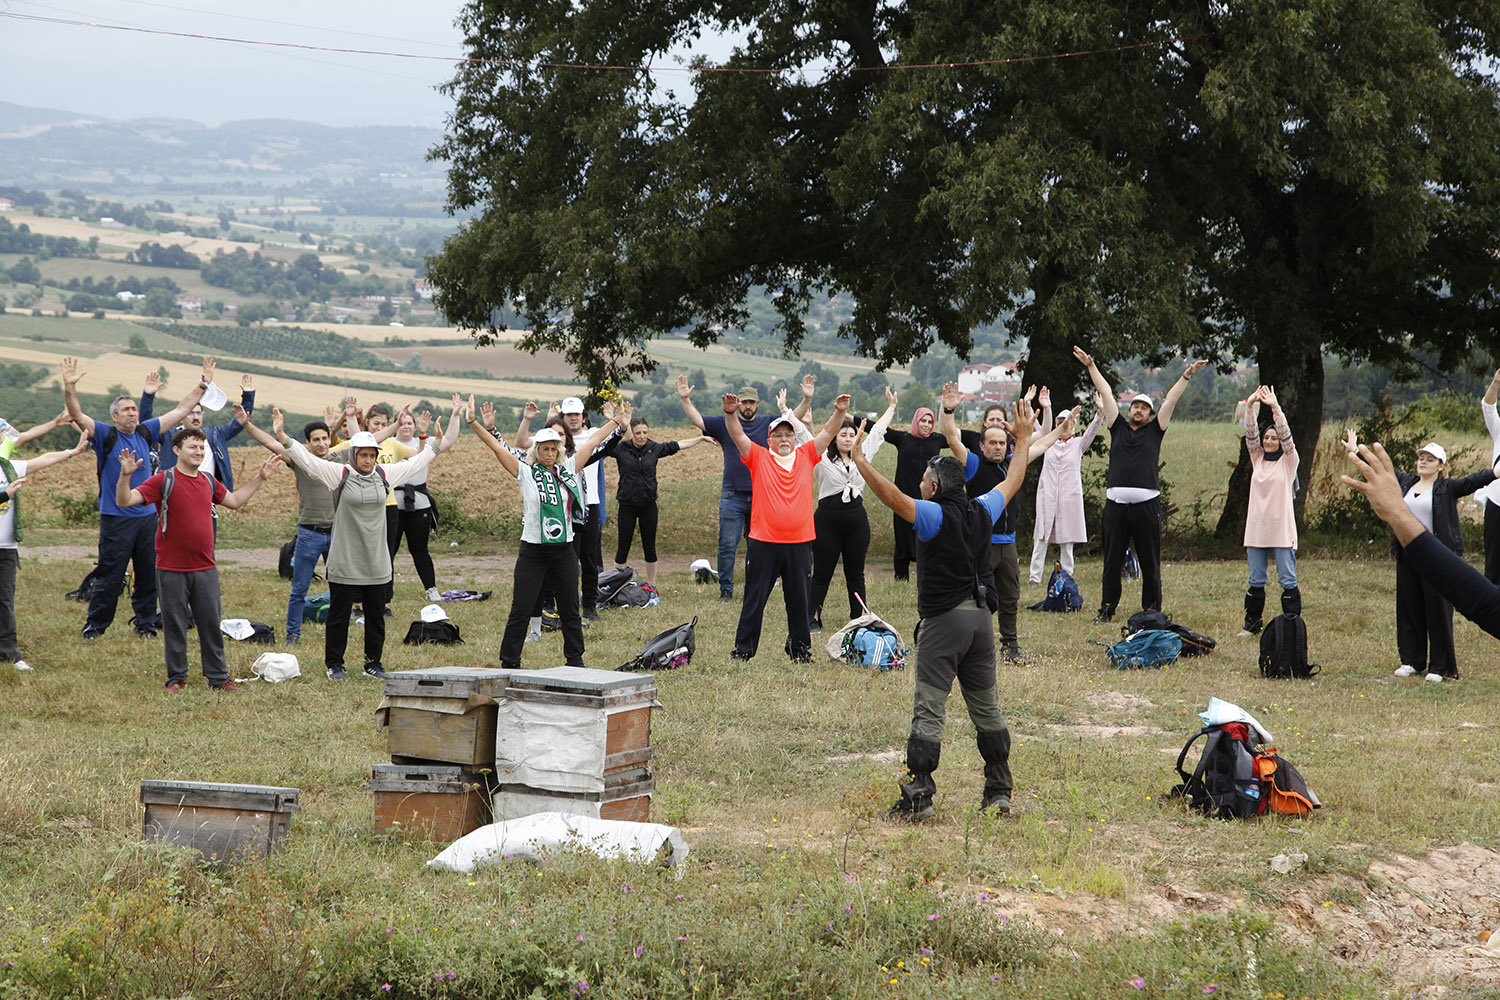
118,74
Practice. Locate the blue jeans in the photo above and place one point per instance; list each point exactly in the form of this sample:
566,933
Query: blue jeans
310,545
1286,566
734,524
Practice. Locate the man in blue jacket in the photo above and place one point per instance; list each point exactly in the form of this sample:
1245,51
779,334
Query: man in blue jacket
216,458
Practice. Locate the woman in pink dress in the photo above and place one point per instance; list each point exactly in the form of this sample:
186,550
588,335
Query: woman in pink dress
1270,524
1059,494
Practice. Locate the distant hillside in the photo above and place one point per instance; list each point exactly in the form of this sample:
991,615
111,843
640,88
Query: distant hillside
45,147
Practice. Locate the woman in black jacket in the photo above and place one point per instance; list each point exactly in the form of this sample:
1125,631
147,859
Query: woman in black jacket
1424,618
635,498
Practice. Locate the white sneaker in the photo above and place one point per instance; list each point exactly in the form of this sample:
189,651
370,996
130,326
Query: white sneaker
433,595
1435,678
21,665
1405,670
534,635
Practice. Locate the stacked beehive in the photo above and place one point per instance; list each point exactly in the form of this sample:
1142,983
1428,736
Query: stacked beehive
440,731
575,740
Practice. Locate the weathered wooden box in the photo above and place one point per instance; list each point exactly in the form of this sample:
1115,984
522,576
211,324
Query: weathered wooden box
626,796
569,729
442,714
222,821
435,801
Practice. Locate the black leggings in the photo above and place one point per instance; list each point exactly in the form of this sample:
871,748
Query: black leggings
629,514
336,633
416,525
843,529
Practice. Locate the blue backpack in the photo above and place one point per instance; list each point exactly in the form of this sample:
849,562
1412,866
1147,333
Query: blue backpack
873,647
1062,592
1149,648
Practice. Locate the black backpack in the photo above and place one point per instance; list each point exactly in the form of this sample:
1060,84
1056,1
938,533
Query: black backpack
610,582
1193,643
263,634
443,632
85,589
672,649
1283,649
633,594
284,561
1224,783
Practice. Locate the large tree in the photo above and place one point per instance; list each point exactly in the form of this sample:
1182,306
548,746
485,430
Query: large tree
1267,178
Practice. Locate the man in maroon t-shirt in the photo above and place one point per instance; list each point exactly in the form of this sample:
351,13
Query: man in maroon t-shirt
186,573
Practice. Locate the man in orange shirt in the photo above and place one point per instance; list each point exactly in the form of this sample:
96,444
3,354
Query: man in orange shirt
781,524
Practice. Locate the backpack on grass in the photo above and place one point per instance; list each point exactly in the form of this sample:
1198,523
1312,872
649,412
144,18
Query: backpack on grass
874,646
633,594
1062,592
1283,649
315,607
85,589
670,650
610,582
443,632
1193,643
1148,648
1234,780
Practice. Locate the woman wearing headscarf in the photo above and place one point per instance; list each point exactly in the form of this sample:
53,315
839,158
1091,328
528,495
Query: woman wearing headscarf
915,447
840,522
1270,523
1059,494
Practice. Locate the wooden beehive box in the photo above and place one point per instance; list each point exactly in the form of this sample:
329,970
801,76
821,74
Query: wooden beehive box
442,714
570,728
626,796
222,821
439,802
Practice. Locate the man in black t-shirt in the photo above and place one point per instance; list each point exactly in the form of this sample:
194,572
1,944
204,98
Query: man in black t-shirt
1132,504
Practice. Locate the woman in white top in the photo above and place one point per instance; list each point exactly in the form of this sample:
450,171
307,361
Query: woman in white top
552,508
1424,618
409,509
1059,493
842,526
1490,495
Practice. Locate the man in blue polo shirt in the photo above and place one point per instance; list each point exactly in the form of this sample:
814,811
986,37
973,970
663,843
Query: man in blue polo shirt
127,535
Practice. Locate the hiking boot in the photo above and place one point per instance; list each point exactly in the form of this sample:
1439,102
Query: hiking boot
1013,653
1436,678
292,640
229,686
336,673
997,804
173,687
735,654
903,811
389,614
725,597
1406,670
374,670
1104,617
433,596
589,615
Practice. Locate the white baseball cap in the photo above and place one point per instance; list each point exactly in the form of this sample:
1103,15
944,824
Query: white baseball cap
547,434
433,613
1141,397
363,439
778,422
1435,450
571,405
213,397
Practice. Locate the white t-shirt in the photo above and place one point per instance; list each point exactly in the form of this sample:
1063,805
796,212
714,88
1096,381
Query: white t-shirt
8,509
1420,504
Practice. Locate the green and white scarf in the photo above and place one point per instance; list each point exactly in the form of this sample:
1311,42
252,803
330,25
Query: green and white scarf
560,498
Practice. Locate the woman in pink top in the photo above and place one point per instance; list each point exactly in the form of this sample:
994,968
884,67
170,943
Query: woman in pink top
1270,525
1059,494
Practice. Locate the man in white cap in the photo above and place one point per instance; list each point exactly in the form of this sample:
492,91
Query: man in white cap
1132,495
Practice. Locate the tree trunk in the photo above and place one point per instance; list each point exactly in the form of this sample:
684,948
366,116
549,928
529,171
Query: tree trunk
1295,371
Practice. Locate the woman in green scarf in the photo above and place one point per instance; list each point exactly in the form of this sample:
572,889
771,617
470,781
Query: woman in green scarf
553,506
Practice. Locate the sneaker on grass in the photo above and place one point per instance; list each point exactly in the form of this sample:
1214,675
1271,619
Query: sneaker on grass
336,673
21,665
1406,670
374,670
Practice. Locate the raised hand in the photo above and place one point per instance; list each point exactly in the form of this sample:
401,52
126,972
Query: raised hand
731,402
487,414
1030,392
1083,357
1098,400
153,383
608,409
1351,445
841,402
809,385
950,395
240,415
625,411
781,400
269,466
209,365
247,383
424,421
890,396
859,439
129,463
330,415
1268,393
683,389
351,406
469,408
278,423
69,371
1195,368
1044,398
529,411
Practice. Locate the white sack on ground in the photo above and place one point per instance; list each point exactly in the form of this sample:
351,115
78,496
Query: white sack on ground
532,838
1220,712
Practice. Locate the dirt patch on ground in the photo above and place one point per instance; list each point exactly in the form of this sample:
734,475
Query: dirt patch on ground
1414,916
853,758
1119,701
1105,732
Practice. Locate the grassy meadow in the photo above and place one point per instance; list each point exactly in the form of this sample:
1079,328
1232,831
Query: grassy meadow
1097,884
